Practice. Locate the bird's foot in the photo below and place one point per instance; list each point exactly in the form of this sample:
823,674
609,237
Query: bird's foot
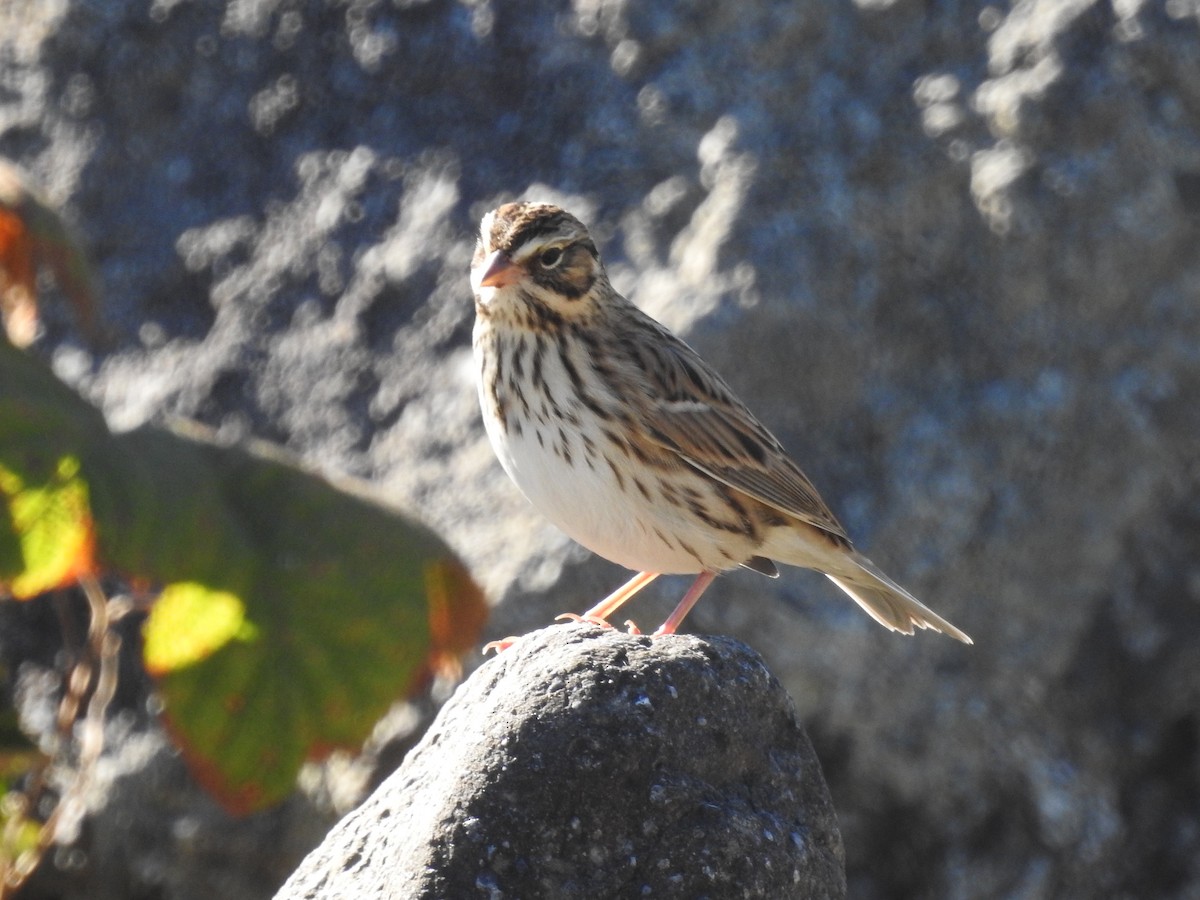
632,626
499,646
586,619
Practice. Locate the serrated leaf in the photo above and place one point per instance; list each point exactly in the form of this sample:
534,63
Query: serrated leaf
293,612
343,618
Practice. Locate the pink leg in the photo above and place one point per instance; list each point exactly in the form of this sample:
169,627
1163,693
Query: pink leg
699,586
599,613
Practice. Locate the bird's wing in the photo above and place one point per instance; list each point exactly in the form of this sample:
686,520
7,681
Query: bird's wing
690,410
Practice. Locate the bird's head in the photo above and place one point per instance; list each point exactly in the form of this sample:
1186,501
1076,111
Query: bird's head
534,260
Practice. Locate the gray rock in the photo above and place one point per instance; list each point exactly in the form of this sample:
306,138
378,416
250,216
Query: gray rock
591,764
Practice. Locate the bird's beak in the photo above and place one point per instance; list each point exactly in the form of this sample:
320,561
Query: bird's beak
497,271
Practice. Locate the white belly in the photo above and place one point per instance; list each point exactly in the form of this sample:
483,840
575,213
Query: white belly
571,481
587,502
568,473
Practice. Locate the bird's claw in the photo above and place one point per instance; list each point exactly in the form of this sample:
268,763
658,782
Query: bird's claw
587,620
596,620
499,646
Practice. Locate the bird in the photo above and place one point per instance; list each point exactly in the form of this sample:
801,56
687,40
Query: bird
634,446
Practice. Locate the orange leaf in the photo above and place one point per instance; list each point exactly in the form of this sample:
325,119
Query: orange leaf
33,235
457,612
18,290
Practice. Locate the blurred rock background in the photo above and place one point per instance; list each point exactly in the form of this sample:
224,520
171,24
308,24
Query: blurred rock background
948,252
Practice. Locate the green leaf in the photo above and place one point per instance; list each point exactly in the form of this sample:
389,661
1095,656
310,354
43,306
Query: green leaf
50,526
45,525
17,838
190,622
325,643
292,612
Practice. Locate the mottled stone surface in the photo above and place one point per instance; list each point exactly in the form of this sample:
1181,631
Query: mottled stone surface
589,764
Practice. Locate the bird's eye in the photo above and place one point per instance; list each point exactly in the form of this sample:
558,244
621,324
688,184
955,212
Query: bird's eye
550,258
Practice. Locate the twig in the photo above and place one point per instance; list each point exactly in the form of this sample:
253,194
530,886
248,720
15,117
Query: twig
100,655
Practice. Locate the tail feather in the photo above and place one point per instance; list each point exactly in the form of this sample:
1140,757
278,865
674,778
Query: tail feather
889,604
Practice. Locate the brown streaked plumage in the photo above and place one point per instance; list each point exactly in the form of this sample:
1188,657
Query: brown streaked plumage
630,442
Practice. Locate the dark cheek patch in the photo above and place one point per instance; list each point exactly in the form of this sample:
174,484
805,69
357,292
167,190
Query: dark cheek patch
572,279
574,283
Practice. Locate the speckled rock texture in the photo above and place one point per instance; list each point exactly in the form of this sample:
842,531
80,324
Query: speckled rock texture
947,252
590,764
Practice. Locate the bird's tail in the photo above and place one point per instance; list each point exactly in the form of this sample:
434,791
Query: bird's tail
889,604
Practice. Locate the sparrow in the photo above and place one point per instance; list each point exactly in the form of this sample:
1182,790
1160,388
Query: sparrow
627,440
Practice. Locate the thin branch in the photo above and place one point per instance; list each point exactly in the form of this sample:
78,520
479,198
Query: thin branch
99,656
